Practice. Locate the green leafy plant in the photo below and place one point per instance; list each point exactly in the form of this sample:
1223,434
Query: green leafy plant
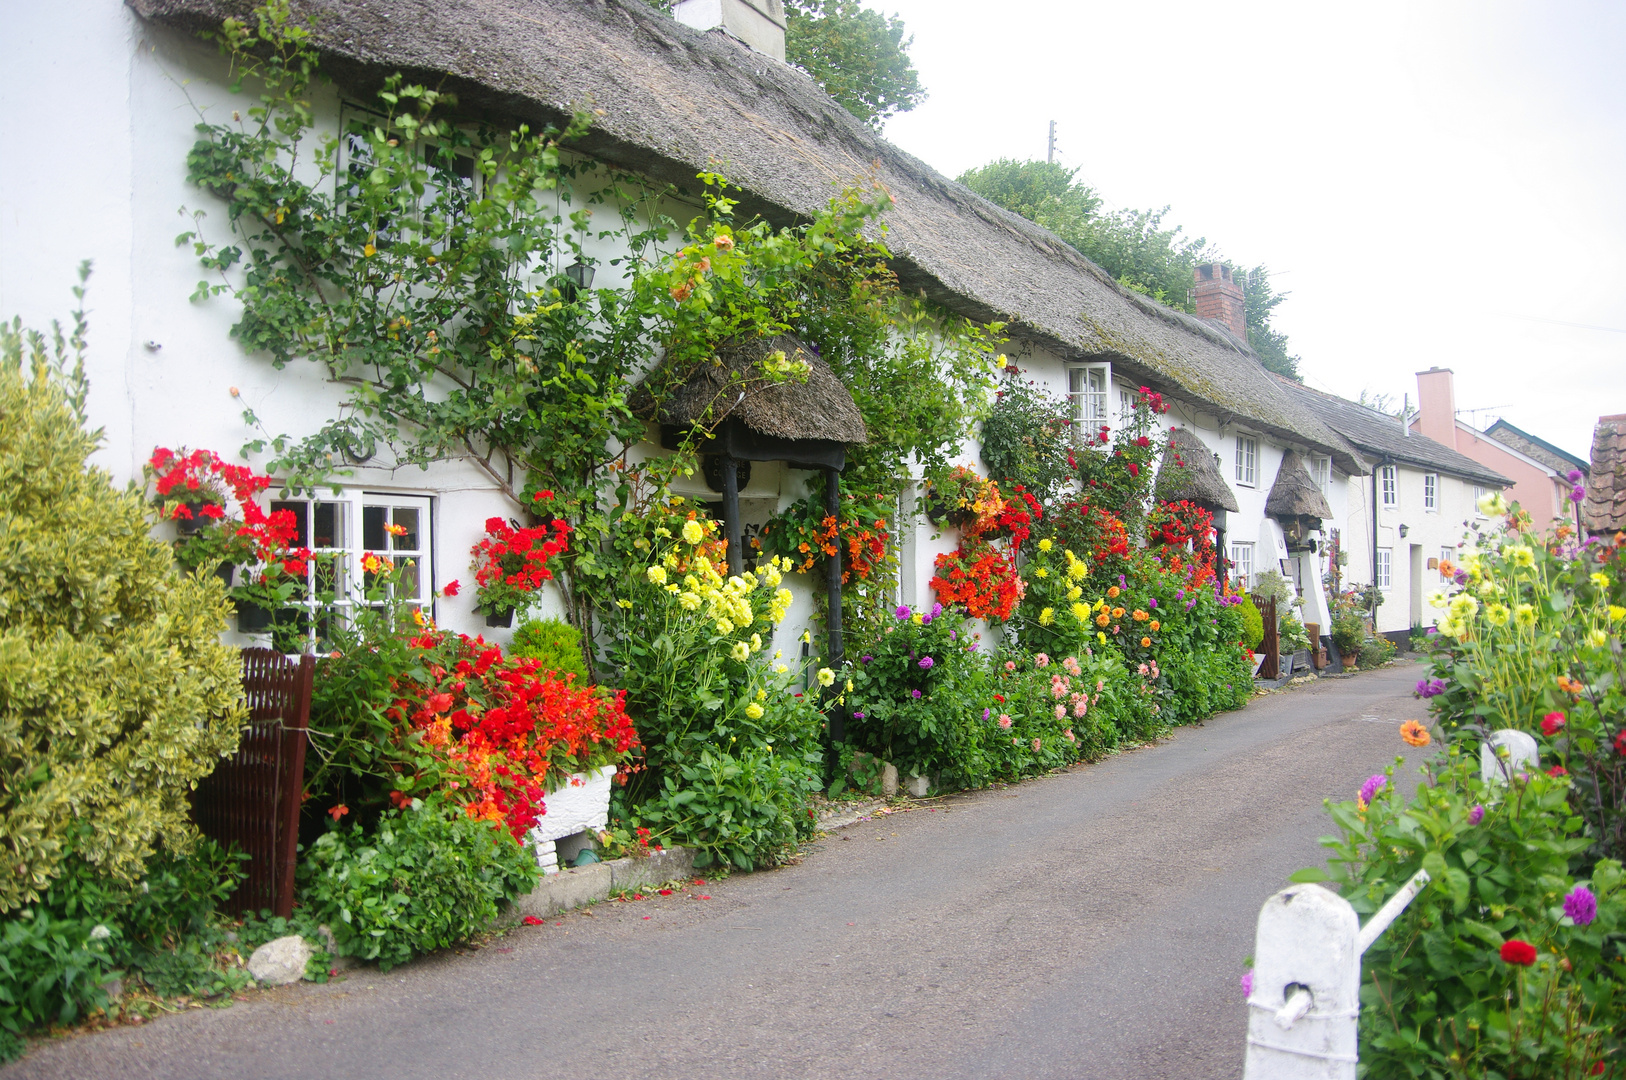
1253,624
859,57
552,643
1024,437
1506,964
120,695
422,880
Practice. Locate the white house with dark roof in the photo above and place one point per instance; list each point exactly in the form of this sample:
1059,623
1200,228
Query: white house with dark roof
1408,513
670,100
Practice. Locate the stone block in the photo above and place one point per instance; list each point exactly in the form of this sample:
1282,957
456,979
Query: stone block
889,780
917,786
569,888
582,803
673,864
279,962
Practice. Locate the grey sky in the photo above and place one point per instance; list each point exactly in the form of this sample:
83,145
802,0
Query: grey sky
1434,184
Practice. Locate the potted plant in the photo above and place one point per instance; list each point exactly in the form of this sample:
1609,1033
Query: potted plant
512,564
1293,640
1348,632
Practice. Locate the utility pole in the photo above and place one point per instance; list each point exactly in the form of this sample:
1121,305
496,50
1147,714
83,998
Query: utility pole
1050,154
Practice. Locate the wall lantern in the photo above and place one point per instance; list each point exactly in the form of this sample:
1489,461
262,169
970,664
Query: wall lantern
1404,529
578,276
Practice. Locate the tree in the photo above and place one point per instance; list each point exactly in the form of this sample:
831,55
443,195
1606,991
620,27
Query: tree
859,57
1268,342
1131,245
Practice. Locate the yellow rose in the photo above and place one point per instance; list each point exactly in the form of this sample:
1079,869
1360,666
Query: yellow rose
692,532
657,575
754,711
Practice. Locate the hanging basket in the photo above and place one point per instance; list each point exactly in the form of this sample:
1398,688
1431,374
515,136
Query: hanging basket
503,618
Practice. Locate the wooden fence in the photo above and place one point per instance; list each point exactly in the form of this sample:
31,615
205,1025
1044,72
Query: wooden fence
1272,645
251,801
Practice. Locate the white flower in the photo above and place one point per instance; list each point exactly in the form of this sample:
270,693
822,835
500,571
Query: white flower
101,933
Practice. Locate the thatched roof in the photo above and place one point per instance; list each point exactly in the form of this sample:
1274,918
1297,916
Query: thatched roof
1604,511
1189,472
1294,493
671,101
732,386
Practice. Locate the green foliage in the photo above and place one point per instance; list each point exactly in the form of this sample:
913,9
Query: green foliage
1260,301
116,695
554,643
1131,245
1291,635
1437,998
859,57
1024,438
746,806
1348,631
422,880
1376,651
1253,624
164,934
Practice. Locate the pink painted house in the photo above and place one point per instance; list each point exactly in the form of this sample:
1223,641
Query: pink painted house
1541,483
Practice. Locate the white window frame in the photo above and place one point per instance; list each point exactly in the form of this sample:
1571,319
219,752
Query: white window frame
1242,568
1087,404
1321,467
1431,492
1383,572
1479,493
1126,406
1389,484
1447,554
1247,460
350,584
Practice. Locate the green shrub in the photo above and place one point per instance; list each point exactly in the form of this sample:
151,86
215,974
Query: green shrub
1253,624
422,880
555,644
1348,632
1376,650
115,692
748,808
51,971
1437,997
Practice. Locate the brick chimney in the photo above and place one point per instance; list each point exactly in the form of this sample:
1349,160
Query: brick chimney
1437,406
1219,297
760,24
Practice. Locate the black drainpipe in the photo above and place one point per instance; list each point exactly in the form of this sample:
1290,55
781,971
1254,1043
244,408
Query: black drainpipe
1376,472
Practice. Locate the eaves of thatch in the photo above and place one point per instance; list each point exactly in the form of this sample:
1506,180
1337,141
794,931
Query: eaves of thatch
732,387
670,101
1188,471
1295,494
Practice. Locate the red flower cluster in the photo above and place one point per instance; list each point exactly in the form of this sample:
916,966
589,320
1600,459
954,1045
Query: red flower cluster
981,579
503,731
196,484
512,563
1175,524
1015,517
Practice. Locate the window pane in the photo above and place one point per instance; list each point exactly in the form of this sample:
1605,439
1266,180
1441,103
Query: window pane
409,588
405,517
373,536
329,531
299,508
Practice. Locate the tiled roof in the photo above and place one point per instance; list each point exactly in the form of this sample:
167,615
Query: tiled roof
1380,437
1560,461
1605,508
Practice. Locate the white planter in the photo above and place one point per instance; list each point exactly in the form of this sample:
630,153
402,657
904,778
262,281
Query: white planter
1258,662
583,803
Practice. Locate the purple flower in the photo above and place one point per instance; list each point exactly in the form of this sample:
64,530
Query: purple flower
1181,595
926,662
1476,815
1573,476
937,609
1578,494
985,714
1152,602
1247,983
1191,603
952,635
1580,905
858,716
903,611
1461,577
914,693
1428,688
1373,785
866,658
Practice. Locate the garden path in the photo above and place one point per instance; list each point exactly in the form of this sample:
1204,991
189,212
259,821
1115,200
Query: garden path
1089,924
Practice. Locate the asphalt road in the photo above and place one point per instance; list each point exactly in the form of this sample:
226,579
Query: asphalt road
1090,924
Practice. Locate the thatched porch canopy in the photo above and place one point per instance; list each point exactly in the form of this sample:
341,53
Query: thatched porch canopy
1189,471
1295,494
807,421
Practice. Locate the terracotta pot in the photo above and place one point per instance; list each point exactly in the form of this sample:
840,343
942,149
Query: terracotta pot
1349,661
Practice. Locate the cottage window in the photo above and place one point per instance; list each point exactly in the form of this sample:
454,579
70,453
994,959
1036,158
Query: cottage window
1247,460
1431,492
1479,493
1391,485
1126,406
342,530
1385,567
1447,555
1087,396
1322,468
1241,565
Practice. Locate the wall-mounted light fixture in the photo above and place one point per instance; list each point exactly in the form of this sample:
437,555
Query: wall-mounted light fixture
1404,529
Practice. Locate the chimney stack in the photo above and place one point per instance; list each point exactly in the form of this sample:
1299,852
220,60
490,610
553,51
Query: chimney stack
760,24
1437,406
1219,297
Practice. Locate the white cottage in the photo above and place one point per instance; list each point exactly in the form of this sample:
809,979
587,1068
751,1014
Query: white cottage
670,100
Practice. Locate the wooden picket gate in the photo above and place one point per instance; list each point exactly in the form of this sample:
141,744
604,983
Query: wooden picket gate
1272,645
251,801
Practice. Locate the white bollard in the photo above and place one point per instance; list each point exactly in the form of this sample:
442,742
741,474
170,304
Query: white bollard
1521,751
1306,988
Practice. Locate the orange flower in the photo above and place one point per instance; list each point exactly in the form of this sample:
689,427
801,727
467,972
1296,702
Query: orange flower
1146,643
1112,593
396,530
338,812
1156,626
1141,616
1117,613
1102,619
1415,734
1569,685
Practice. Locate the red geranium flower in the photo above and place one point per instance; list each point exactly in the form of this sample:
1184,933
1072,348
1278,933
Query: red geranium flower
338,812
1552,723
1519,952
450,588
531,920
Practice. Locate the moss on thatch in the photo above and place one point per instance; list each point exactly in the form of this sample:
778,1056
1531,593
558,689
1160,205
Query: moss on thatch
733,386
1188,471
1294,494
